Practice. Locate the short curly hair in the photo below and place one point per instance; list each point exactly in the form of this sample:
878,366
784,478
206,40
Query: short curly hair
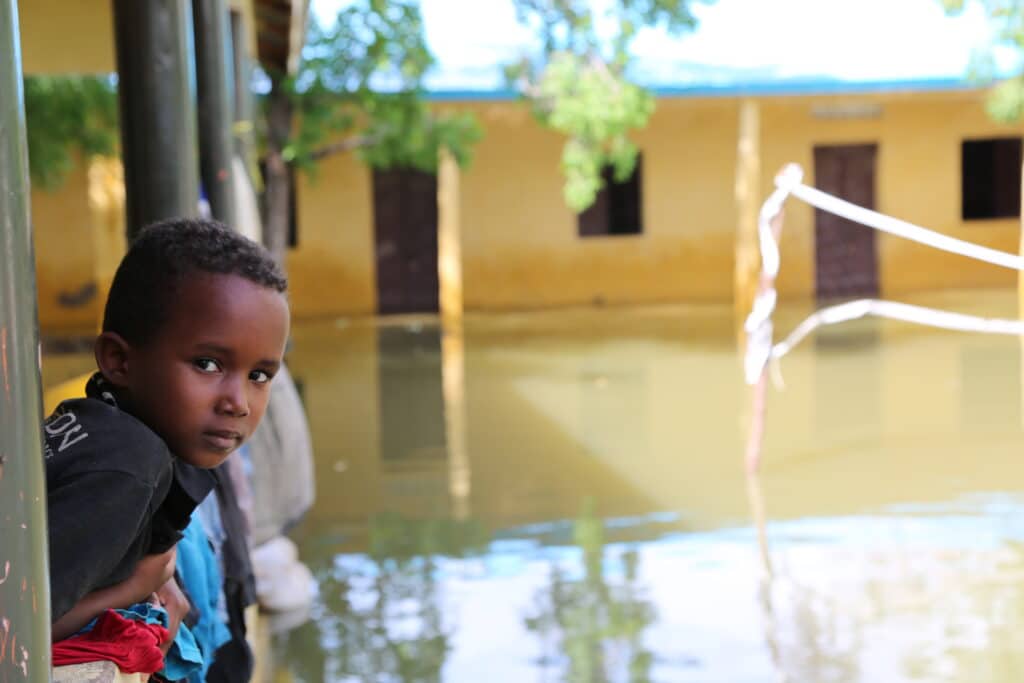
159,259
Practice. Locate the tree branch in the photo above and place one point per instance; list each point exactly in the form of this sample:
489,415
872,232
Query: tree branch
346,145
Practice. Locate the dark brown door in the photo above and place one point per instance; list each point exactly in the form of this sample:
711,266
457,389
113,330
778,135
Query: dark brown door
405,224
845,255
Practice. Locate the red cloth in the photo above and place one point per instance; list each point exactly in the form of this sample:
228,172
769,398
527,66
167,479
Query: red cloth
133,645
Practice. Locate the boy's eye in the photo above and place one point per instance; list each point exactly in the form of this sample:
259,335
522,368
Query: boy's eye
206,364
260,376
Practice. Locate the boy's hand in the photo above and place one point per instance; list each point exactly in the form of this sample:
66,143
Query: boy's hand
151,573
170,597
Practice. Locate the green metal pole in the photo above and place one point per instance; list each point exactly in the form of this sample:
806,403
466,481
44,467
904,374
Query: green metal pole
24,571
215,88
156,87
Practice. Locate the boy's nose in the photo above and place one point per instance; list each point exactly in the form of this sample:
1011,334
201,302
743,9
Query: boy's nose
234,401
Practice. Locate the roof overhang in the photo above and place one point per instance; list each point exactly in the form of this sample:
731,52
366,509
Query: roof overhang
280,33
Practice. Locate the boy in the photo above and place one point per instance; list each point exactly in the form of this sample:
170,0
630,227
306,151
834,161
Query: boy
194,330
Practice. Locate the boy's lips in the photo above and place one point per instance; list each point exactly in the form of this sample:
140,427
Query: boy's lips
223,439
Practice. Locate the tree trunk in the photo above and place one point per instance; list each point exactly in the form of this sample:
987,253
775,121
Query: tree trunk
277,178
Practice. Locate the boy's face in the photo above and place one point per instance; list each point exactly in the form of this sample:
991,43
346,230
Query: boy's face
202,383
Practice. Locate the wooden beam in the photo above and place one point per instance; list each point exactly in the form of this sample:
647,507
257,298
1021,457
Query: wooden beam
748,200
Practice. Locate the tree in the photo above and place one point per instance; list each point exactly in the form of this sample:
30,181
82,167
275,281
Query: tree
358,88
1006,98
578,83
67,116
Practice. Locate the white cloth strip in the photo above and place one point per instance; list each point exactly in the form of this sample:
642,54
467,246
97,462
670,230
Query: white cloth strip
895,226
758,324
895,311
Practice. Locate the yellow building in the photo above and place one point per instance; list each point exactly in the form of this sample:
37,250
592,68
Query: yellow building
522,248
910,149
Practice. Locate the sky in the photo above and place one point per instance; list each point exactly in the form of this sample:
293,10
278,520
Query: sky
737,42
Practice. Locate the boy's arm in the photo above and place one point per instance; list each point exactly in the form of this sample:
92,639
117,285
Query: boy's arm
152,572
172,598
94,521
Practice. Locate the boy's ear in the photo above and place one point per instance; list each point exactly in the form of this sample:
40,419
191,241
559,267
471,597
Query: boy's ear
112,353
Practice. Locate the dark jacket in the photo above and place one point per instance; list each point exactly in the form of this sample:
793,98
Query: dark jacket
114,494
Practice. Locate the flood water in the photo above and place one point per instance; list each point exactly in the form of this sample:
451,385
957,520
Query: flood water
560,497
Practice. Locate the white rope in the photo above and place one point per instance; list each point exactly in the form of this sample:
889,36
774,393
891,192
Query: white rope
912,232
760,348
895,311
759,323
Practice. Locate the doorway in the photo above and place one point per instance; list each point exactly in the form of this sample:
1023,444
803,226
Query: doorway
845,254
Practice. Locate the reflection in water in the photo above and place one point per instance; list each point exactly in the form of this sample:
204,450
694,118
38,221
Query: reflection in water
454,385
412,425
591,628
809,637
379,617
452,467
985,373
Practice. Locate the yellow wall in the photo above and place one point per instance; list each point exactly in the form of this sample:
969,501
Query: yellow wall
520,249
917,179
520,243
64,245
66,36
77,36
331,270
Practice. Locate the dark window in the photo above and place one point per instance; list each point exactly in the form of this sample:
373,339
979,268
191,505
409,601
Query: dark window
990,178
617,209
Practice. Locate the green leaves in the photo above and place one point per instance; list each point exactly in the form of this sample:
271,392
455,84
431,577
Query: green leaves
359,87
1006,101
578,85
65,116
409,136
1006,98
596,110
